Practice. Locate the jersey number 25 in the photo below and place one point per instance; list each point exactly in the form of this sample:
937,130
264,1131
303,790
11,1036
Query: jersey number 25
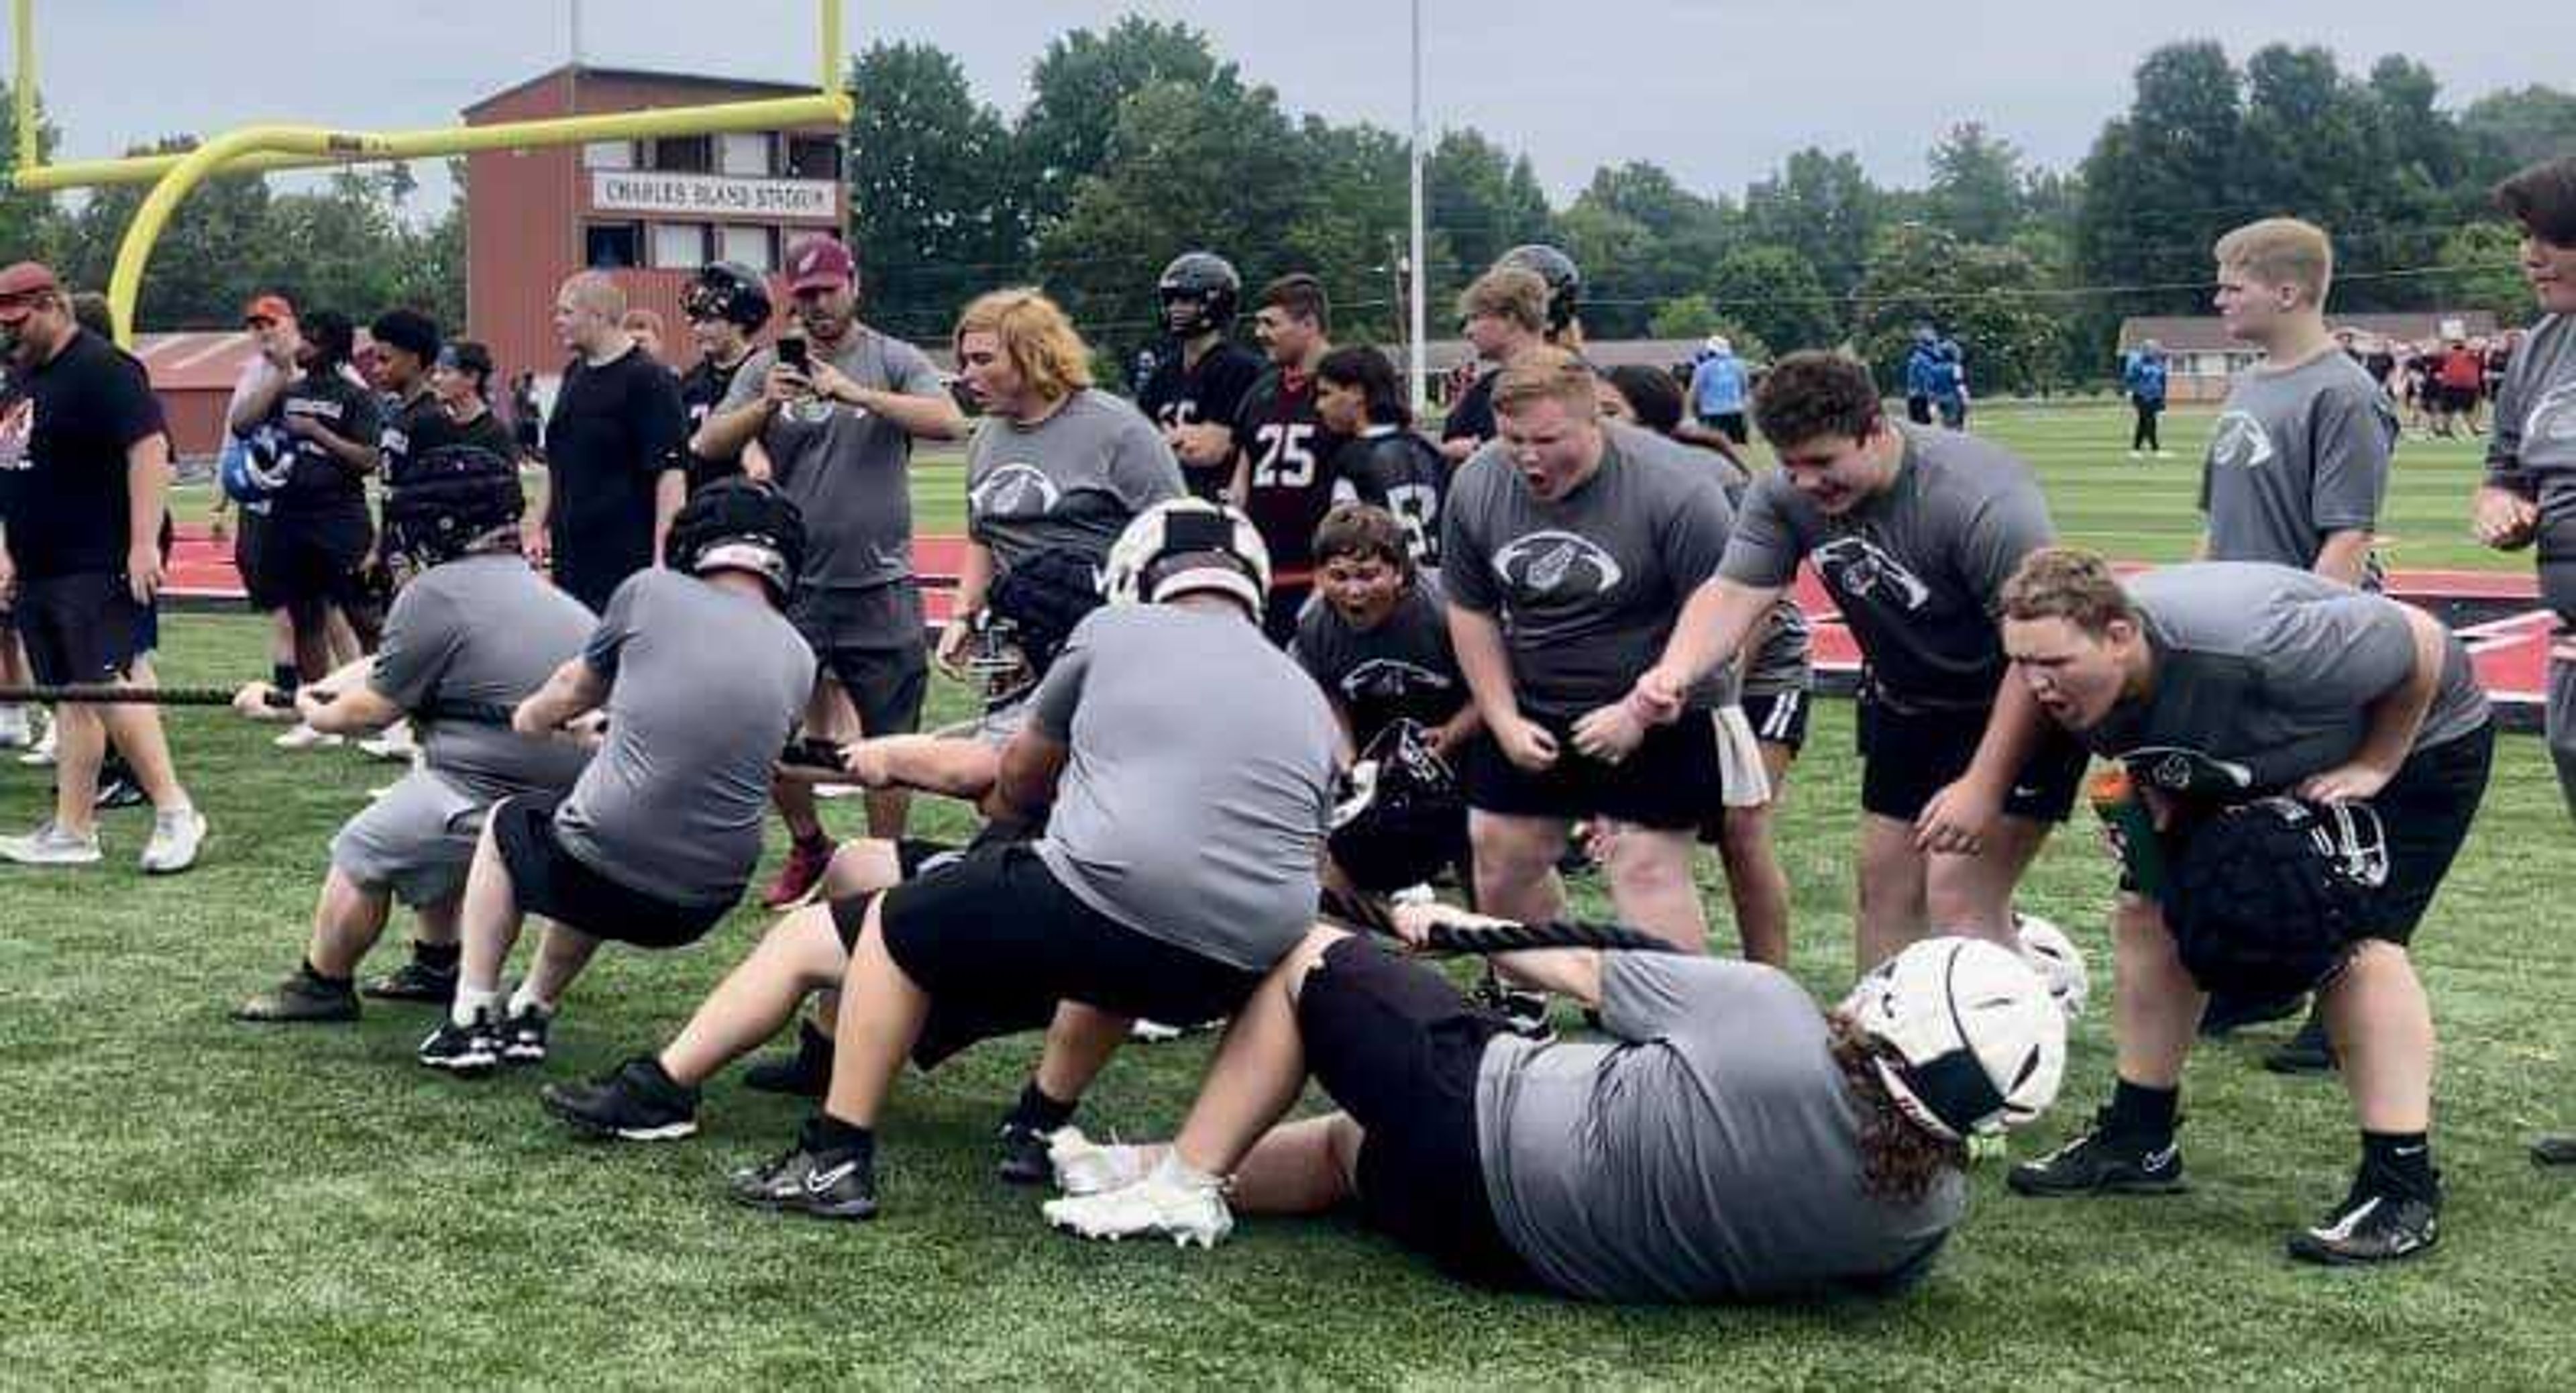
1287,460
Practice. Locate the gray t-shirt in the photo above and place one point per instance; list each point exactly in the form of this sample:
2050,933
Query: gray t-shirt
2296,454
849,470
706,684
1918,571
486,629
1194,801
1072,481
2533,448
1710,1152
2274,668
1402,669
1587,587
1784,661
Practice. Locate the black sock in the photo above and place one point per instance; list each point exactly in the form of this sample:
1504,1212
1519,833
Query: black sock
284,677
812,1044
827,1135
2400,1161
1038,1112
2143,1113
319,976
438,957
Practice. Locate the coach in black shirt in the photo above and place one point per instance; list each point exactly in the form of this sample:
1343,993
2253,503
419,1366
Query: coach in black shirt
613,456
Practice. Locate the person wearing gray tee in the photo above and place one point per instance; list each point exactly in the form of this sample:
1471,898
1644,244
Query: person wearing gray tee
2531,473
2297,468
483,629
2224,682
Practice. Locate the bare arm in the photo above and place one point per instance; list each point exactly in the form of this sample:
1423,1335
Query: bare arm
575,688
2345,557
755,460
1714,627
670,490
1024,786
2395,719
256,403
952,768
351,455
147,480
723,433
1486,666
923,417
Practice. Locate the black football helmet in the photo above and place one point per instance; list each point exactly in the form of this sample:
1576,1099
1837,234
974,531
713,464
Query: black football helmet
1199,291
1564,280
730,291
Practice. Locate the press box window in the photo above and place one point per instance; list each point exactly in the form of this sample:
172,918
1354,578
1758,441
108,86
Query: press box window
610,246
679,246
743,154
608,154
755,247
813,157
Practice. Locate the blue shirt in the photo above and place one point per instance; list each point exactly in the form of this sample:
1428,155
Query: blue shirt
1717,385
1919,365
2144,376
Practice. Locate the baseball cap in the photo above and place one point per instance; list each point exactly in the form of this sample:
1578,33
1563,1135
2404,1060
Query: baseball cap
820,262
26,280
271,307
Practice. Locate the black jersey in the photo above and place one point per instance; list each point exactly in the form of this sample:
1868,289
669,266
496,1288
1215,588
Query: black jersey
1209,391
1399,471
702,387
1472,418
1288,457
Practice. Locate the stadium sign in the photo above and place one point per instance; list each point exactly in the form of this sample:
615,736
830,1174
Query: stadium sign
708,195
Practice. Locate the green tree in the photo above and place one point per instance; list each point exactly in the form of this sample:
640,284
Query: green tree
30,225
2159,184
934,209
1481,201
1920,274
1977,188
1822,206
2507,130
1694,317
1615,252
1080,87
209,259
1772,291
2480,271
1351,229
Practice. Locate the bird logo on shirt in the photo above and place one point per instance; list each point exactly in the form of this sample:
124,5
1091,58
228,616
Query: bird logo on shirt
1015,491
1860,568
1549,563
1390,679
2552,420
2240,442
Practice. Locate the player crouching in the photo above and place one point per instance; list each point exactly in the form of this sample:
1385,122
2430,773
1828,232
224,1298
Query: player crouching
702,680
2223,685
1728,1142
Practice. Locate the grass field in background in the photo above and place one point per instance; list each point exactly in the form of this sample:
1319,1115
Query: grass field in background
190,1201
2139,510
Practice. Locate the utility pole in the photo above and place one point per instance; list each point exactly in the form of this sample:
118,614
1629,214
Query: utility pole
1421,355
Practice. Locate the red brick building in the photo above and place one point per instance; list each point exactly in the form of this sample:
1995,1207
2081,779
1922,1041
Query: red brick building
650,212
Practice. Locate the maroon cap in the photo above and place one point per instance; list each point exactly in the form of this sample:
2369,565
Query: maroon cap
27,279
820,262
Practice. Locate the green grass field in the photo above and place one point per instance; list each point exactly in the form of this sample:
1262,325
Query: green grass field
191,1202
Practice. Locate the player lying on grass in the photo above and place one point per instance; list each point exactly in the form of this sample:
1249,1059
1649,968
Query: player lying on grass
2222,685
1729,1141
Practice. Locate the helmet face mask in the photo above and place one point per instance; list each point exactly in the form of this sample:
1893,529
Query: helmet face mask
1199,293
999,662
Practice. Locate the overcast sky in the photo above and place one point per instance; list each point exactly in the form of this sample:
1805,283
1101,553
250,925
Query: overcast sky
1718,91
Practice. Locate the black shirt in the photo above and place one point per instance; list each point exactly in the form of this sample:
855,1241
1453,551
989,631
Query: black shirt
701,388
1403,473
413,427
65,426
1207,392
1473,417
1290,458
1402,669
616,428
485,432
318,484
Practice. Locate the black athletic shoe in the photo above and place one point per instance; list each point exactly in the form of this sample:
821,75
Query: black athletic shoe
2371,1226
2308,1052
1024,1155
2554,1151
2228,1013
805,1074
469,1051
119,791
2101,1162
299,1000
523,1036
635,1101
414,981
1524,1014
826,1185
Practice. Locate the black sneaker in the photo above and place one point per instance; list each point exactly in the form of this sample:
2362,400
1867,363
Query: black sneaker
805,1074
636,1101
2228,1013
2554,1151
1524,1014
2371,1226
826,1185
118,791
2101,1162
1024,1155
414,981
301,999
469,1051
523,1036
2308,1052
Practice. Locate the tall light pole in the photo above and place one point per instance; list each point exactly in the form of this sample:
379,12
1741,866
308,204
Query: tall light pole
1421,342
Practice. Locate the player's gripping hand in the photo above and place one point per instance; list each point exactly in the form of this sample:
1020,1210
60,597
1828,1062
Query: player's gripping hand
1526,744
1610,734
1659,695
1957,819
2345,783
2504,519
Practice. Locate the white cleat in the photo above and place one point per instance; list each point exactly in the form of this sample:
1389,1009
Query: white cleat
1161,1204
1086,1167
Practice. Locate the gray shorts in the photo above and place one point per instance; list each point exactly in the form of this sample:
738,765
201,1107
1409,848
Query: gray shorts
417,840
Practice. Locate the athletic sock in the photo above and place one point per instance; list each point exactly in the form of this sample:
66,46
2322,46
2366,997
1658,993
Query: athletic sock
2143,1113
826,1135
2401,1162
438,957
472,1002
324,978
525,999
1172,1170
1037,1112
284,677
812,1045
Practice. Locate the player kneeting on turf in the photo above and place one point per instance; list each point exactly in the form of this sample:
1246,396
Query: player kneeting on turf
1913,532
471,622
1571,545
1188,768
1729,1142
2530,489
1198,383
702,679
2233,681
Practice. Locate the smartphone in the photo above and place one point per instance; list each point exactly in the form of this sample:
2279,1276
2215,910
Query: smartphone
792,353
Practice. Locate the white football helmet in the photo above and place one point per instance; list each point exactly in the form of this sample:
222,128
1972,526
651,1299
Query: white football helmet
1182,545
2057,960
1979,1047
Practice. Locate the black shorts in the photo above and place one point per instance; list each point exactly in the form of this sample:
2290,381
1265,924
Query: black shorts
1779,718
1670,781
1907,756
83,628
306,559
1398,1048
886,685
2459,399
913,856
250,549
1730,424
1919,410
996,942
547,879
2426,811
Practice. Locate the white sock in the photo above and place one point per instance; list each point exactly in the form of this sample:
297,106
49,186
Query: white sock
1176,1172
525,1000
472,1002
